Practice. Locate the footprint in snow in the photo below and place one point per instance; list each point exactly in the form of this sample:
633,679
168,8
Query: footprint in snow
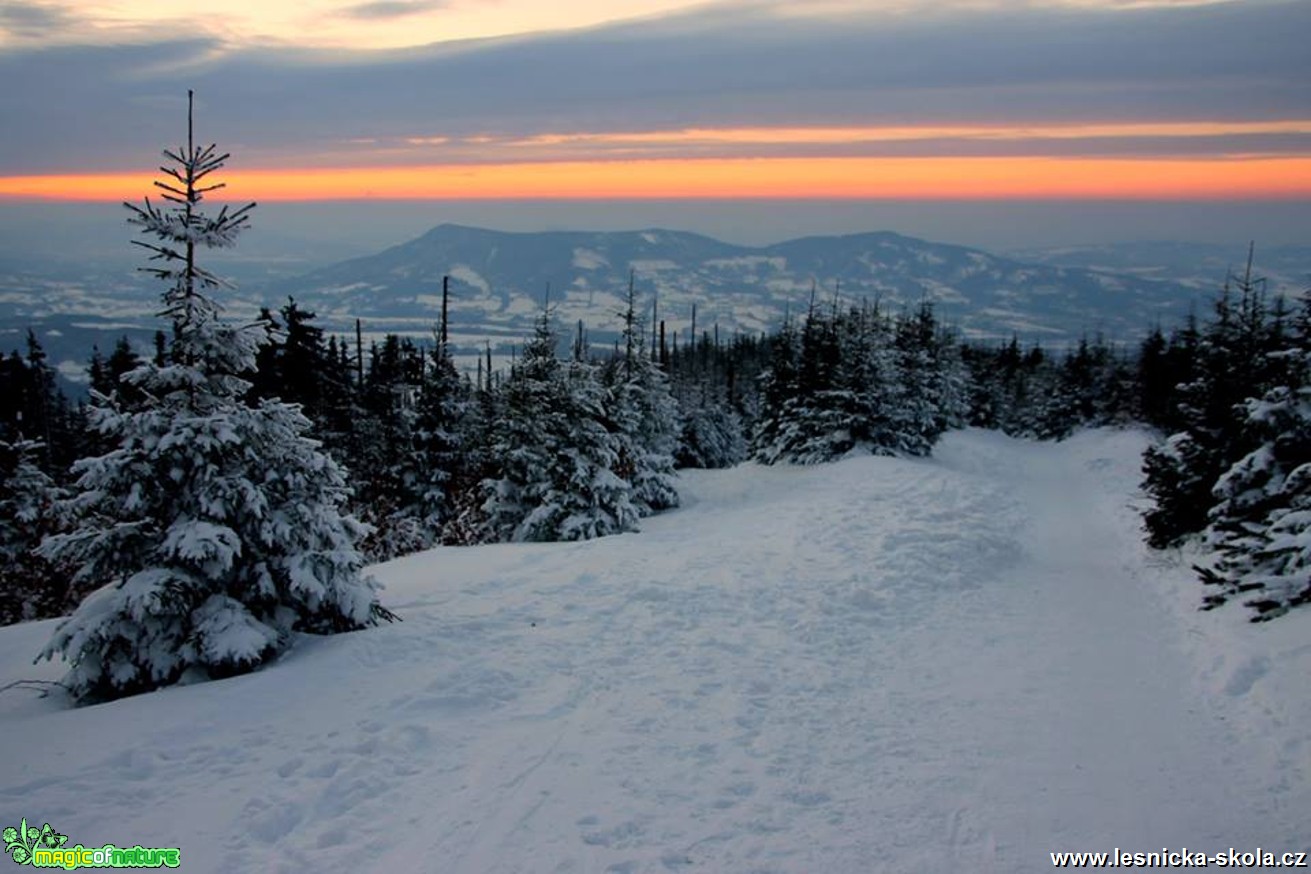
325,770
1246,675
270,820
287,768
807,798
621,835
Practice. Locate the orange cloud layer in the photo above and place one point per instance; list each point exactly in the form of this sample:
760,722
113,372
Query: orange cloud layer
845,135
895,178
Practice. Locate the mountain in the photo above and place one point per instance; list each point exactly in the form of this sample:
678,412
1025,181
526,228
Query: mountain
1286,269
499,280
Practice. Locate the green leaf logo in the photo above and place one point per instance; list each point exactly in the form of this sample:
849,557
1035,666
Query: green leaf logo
21,843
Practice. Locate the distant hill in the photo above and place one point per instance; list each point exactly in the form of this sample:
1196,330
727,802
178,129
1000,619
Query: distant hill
1286,269
500,279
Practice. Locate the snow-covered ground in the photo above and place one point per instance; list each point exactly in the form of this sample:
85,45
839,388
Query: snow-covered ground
954,664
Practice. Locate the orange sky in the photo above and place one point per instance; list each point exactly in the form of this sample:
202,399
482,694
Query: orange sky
1274,178
1177,130
353,100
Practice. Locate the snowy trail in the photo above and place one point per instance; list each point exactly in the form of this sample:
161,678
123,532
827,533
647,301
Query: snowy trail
1114,747
954,664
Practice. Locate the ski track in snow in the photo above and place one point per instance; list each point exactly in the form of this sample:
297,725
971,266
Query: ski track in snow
952,664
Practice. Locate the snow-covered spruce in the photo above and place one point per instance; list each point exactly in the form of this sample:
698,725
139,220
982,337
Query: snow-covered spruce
441,410
858,381
1260,526
712,436
386,460
214,530
779,385
554,457
644,419
1232,365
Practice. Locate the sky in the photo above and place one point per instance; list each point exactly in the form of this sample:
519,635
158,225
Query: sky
1005,118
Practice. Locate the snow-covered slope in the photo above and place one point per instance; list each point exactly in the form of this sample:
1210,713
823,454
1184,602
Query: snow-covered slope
953,664
1285,268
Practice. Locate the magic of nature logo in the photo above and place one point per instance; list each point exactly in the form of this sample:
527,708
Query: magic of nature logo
44,848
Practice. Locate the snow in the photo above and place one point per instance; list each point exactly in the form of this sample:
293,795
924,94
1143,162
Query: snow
589,259
73,371
652,265
959,663
521,306
466,274
748,263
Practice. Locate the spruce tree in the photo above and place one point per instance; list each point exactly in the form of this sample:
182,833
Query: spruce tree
33,408
13,381
107,387
555,454
1260,525
292,363
644,419
213,531
859,381
875,375
339,424
439,437
386,466
1156,382
1091,387
466,491
825,419
779,387
107,379
917,418
1231,366
31,508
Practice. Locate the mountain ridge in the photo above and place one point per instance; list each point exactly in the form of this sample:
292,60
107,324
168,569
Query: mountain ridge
1052,296
498,279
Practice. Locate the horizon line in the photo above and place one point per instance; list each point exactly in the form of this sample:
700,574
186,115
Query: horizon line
1045,178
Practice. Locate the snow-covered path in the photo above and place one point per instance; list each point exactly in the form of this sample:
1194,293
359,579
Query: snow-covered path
953,664
1109,744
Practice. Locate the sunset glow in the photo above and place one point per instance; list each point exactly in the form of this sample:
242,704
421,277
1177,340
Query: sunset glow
363,24
890,178
838,135
685,101
393,24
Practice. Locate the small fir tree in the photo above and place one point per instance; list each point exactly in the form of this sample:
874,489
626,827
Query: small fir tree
213,531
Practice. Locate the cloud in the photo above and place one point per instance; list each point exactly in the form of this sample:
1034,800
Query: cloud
379,10
31,20
727,66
